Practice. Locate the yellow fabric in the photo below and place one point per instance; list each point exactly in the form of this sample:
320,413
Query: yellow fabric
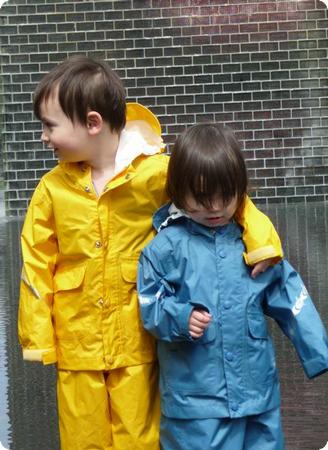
80,252
259,235
138,112
106,411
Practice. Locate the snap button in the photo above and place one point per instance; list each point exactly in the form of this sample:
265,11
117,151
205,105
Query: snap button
98,244
234,406
109,359
222,254
127,176
229,356
87,189
227,305
100,302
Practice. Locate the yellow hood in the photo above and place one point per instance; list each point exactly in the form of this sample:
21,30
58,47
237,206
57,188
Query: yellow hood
141,136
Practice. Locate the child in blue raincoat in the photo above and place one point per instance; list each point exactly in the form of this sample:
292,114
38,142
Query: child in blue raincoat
218,378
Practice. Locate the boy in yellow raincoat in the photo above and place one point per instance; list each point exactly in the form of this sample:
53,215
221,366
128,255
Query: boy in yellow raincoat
87,222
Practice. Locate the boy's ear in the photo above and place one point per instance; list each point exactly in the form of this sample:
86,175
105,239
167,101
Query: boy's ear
94,122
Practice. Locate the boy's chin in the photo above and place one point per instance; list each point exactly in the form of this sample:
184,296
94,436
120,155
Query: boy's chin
67,159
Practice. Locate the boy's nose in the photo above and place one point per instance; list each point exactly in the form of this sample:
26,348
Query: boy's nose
44,137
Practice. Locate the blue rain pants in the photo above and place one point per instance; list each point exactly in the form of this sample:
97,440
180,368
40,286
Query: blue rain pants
258,432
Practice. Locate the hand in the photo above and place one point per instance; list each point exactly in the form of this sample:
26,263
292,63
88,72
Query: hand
261,267
199,320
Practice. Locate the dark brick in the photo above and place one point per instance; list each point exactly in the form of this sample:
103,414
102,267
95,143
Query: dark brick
267,79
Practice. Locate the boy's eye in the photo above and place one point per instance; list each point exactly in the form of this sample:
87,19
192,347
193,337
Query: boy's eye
48,125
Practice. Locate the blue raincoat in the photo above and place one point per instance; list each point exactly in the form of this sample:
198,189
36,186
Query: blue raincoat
230,372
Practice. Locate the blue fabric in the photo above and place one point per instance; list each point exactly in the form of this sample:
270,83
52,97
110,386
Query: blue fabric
261,432
230,371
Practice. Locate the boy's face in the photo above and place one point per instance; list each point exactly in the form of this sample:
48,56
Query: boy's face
219,214
69,140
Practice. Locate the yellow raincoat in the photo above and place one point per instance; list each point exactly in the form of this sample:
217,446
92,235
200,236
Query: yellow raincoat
78,301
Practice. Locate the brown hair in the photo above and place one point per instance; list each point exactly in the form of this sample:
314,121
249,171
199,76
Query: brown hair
206,163
84,85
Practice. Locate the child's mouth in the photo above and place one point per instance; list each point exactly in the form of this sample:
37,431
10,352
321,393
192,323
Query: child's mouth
215,219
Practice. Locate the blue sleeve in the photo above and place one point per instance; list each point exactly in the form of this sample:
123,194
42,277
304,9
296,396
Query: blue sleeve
163,314
289,303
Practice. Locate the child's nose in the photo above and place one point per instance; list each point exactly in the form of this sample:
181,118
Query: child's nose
44,137
216,206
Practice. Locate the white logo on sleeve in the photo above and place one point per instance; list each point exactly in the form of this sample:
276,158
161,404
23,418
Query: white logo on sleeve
143,300
300,300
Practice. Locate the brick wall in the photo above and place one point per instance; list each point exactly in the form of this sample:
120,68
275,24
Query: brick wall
259,66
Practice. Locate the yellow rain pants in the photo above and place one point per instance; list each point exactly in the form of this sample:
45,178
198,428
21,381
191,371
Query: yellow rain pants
114,410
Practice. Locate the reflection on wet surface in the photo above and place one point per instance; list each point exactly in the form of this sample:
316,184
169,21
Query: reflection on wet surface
28,418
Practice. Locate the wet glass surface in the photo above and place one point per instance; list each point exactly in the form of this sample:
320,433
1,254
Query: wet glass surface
28,419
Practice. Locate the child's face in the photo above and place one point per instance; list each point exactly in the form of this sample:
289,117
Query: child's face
69,140
220,214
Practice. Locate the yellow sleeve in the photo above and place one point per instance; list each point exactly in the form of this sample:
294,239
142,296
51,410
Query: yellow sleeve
39,252
259,235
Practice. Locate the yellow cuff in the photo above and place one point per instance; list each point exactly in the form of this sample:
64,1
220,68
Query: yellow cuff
262,253
46,356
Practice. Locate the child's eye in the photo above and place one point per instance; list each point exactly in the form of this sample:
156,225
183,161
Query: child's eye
49,126
191,211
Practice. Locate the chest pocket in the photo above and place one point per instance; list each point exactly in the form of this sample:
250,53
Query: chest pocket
260,352
69,278
128,287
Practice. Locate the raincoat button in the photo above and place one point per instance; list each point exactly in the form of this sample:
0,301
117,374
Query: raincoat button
222,254
229,356
100,302
98,244
87,189
227,305
127,176
109,359
234,406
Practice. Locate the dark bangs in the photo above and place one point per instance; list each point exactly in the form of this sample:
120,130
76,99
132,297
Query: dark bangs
206,164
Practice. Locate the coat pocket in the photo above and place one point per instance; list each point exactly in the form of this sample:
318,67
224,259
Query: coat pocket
189,368
68,278
257,326
128,282
260,352
71,308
